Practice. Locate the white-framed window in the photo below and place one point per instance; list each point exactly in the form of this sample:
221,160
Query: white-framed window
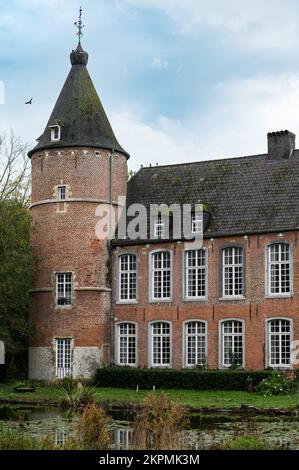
123,438
160,344
61,193
196,222
279,342
279,269
159,226
55,132
64,289
232,272
232,343
63,357
126,344
161,275
127,278
195,343
195,274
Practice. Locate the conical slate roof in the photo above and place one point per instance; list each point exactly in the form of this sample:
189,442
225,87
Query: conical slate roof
79,112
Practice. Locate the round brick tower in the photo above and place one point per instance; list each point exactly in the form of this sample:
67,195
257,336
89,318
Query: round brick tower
77,165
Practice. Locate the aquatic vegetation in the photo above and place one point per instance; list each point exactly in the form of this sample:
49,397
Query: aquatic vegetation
248,443
76,394
93,430
160,424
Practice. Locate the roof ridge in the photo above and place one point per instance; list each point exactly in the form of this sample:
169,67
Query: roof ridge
202,161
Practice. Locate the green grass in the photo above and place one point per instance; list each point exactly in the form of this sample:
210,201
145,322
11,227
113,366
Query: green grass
190,398
42,394
202,399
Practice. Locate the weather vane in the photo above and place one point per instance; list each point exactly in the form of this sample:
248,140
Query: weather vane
79,25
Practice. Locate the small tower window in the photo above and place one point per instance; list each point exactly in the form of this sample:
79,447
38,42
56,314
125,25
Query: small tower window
64,289
61,193
55,132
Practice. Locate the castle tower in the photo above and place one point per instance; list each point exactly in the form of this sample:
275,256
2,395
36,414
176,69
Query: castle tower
77,165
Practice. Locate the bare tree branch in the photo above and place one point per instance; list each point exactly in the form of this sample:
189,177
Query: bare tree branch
14,170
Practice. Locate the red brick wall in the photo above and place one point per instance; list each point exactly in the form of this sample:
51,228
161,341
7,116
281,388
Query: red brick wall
254,310
65,241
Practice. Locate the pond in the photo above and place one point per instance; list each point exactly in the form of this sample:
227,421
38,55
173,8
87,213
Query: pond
205,430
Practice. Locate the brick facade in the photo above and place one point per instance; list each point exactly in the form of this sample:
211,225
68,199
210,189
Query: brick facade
254,310
244,196
64,240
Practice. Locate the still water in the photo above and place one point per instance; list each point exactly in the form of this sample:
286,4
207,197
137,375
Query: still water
204,433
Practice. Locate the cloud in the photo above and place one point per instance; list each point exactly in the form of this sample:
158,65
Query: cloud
181,80
237,126
270,25
150,144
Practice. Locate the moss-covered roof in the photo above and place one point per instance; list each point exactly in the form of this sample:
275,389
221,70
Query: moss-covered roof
80,113
243,195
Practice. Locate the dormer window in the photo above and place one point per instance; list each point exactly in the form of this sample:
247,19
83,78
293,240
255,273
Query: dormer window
196,222
61,193
159,226
55,132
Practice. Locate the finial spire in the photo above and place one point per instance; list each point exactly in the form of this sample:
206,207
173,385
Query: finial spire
79,25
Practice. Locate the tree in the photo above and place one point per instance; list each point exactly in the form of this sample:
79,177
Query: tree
15,253
14,170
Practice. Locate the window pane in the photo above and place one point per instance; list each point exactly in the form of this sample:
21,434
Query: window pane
161,344
127,277
161,262
232,343
64,288
279,337
279,270
127,343
233,271
195,273
63,358
195,343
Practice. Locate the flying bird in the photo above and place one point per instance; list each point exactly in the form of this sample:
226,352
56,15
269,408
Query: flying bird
29,102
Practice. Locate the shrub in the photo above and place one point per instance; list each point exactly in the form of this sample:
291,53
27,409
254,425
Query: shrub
246,443
126,377
68,385
93,428
159,425
276,384
14,440
76,395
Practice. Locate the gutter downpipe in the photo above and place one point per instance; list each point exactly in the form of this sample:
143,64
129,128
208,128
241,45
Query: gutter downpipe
111,323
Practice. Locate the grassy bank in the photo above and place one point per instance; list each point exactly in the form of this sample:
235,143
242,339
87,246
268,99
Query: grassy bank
189,398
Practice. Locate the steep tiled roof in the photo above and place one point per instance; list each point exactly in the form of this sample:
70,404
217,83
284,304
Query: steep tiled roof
244,195
80,113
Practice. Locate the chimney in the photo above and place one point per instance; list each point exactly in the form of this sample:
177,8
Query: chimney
280,145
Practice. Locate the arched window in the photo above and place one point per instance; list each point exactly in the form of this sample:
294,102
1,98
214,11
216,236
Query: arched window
195,344
196,273
232,272
126,343
160,344
279,332
232,343
127,278
279,269
161,275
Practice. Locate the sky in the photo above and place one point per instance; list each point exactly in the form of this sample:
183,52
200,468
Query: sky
180,80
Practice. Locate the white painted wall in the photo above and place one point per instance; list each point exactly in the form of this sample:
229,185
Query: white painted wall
86,360
41,363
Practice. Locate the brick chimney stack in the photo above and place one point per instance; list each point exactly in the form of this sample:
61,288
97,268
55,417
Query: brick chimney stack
281,144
